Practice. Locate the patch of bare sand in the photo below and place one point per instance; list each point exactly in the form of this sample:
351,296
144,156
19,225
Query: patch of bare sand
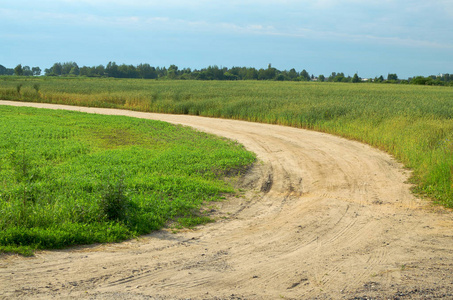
322,218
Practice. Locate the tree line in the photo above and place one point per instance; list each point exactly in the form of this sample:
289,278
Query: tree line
146,71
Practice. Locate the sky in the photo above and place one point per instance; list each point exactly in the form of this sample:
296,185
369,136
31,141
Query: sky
367,37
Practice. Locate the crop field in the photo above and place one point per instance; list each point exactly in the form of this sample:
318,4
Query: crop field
69,178
413,123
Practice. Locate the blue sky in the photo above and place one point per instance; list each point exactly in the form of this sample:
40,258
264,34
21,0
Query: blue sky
371,37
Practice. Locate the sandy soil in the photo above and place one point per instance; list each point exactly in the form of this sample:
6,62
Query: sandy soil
321,218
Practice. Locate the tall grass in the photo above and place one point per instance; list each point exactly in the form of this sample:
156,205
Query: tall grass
70,178
413,123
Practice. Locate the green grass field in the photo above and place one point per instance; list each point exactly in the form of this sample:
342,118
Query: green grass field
413,123
69,178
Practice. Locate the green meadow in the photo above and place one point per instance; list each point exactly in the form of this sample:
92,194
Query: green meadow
69,178
412,122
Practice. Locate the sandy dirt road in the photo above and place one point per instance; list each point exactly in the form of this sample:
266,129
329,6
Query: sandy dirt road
322,218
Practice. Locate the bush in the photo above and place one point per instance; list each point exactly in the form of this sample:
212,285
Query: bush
114,203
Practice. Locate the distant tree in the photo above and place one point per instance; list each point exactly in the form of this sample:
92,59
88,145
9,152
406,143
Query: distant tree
67,67
261,74
161,72
292,74
252,73
36,71
321,78
239,72
332,76
26,71
426,81
87,71
56,69
280,77
355,78
304,75
243,73
112,69
18,70
267,74
213,73
379,79
172,72
199,75
421,80
337,77
100,70
146,71
186,71
6,71
392,77
229,76
127,71
270,72
75,71
234,71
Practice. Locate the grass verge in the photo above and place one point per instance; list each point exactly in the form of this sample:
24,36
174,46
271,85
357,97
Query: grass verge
69,178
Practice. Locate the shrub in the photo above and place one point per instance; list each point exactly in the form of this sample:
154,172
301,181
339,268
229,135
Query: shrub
114,203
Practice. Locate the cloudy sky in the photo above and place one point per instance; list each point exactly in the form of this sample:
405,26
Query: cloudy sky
371,37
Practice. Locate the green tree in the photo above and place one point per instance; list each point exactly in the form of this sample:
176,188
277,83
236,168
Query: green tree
332,76
304,75
280,77
146,71
355,78
172,72
86,71
100,70
6,71
75,71
292,74
337,77
67,67
26,71
379,79
321,78
392,77
252,74
420,80
112,69
56,69
213,73
18,70
36,71
267,74
229,76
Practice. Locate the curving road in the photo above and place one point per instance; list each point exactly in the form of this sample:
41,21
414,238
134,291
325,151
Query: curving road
321,218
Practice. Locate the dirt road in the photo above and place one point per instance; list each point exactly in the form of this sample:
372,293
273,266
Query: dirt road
322,218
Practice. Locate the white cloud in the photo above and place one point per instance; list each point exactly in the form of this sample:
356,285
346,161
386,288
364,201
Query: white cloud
166,23
390,25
